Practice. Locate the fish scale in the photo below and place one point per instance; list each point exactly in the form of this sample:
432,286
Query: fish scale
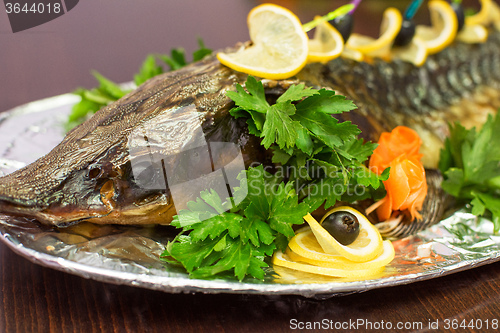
442,81
484,67
58,190
474,72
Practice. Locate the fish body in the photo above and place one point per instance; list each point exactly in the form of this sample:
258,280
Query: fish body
460,83
90,174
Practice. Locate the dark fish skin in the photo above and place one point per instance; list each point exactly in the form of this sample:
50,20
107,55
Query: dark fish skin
88,175
62,187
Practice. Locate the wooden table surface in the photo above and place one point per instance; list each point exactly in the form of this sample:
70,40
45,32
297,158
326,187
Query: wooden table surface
113,37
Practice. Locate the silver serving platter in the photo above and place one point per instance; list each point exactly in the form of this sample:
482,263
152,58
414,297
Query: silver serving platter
130,255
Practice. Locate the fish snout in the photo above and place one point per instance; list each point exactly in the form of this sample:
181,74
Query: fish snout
57,213
82,195
17,206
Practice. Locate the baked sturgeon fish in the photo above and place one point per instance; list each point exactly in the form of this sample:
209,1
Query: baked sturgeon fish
90,175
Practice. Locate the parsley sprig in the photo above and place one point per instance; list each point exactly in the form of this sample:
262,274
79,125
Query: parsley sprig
470,163
321,152
92,100
238,239
301,131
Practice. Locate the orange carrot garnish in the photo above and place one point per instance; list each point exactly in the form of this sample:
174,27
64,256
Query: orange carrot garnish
406,187
401,141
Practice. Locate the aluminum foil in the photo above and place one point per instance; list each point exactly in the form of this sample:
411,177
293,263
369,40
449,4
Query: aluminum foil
130,255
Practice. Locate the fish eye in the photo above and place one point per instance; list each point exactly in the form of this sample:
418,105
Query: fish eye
94,172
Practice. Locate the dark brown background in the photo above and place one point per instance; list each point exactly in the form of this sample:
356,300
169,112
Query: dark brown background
113,37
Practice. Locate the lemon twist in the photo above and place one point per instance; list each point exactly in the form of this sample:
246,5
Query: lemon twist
327,43
367,245
380,47
483,16
443,30
474,30
314,250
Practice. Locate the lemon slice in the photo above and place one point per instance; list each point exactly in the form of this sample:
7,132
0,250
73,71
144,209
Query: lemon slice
281,259
305,248
352,54
489,14
367,245
415,52
380,47
444,27
280,45
327,43
473,34
481,17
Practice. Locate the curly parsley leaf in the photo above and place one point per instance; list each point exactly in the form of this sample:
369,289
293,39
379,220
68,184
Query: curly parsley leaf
148,70
470,163
215,226
300,128
176,59
256,231
296,93
191,254
328,102
237,241
279,128
254,100
304,141
324,126
93,100
202,51
284,209
108,87
357,149
236,256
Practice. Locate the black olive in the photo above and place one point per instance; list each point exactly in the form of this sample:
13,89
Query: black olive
343,226
459,11
406,33
344,25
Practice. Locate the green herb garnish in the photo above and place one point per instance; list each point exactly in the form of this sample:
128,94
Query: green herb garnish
108,91
327,157
93,100
306,138
148,70
177,57
470,163
223,239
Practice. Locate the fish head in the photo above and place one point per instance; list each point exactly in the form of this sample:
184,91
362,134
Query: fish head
99,189
143,176
143,158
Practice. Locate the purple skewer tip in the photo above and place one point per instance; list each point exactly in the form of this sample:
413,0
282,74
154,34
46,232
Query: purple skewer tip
356,4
